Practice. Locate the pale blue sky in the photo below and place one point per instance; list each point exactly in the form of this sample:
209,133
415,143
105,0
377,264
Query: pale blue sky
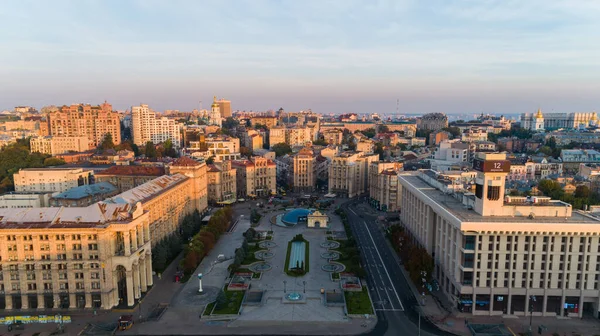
469,56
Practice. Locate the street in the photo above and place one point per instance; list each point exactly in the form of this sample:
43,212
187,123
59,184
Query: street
392,296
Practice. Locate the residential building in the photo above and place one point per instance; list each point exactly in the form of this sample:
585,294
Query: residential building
48,180
333,136
269,122
129,177
223,147
566,138
408,128
197,172
276,135
253,139
474,134
384,190
449,153
73,258
224,107
84,195
504,255
59,145
256,177
365,145
437,137
221,183
432,121
349,172
571,158
304,168
93,122
146,126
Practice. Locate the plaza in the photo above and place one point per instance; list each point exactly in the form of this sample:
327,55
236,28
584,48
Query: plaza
273,299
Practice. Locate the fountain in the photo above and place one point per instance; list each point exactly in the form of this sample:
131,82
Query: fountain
333,267
294,297
262,255
330,255
267,244
330,244
260,267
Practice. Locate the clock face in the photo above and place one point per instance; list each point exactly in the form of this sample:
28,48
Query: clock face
496,166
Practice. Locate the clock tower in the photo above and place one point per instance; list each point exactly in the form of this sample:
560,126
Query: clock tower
492,169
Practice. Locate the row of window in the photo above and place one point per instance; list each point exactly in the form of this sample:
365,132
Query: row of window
16,287
56,237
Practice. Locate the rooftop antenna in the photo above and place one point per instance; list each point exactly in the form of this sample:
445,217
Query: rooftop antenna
397,106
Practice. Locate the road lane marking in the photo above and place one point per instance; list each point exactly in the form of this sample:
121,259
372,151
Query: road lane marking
385,268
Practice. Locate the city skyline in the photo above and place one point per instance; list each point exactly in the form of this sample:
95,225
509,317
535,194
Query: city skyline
331,57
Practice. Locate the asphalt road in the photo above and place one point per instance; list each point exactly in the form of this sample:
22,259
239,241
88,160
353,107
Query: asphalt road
392,297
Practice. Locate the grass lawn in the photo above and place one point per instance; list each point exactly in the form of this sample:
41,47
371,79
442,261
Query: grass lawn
358,302
234,301
335,276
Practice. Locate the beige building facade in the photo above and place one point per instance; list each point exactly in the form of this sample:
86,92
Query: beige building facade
384,189
504,255
59,145
49,180
93,257
349,173
221,179
146,126
80,120
304,171
255,177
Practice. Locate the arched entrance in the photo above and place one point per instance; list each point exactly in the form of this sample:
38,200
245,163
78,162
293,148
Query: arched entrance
317,224
122,285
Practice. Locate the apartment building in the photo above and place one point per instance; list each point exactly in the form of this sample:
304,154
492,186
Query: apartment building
276,135
256,177
83,257
59,145
293,136
51,179
146,126
384,189
224,107
253,139
504,255
432,121
129,177
79,120
221,179
333,136
304,168
349,172
270,122
223,147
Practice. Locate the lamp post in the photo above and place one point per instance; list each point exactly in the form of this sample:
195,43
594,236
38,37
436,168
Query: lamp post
284,282
199,282
304,283
532,300
140,302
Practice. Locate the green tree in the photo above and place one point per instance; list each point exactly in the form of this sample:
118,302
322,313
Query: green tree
320,142
210,160
159,258
582,191
551,142
150,150
281,149
379,150
455,131
221,299
107,142
259,126
383,129
369,132
230,123
170,150
52,161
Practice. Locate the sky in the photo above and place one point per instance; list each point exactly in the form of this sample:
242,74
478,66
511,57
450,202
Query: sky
331,56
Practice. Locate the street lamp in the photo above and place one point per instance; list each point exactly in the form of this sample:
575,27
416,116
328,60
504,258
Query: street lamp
140,302
531,300
284,282
304,283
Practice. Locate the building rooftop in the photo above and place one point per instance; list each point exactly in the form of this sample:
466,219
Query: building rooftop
84,191
456,208
133,171
148,190
185,161
96,215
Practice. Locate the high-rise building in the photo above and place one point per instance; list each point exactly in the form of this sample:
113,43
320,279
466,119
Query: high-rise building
93,122
221,179
147,127
304,167
349,173
384,190
503,255
432,121
224,107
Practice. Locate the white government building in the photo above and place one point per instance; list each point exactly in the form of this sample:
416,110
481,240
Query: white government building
504,255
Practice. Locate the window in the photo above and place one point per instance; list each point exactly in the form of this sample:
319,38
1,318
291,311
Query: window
78,275
31,286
